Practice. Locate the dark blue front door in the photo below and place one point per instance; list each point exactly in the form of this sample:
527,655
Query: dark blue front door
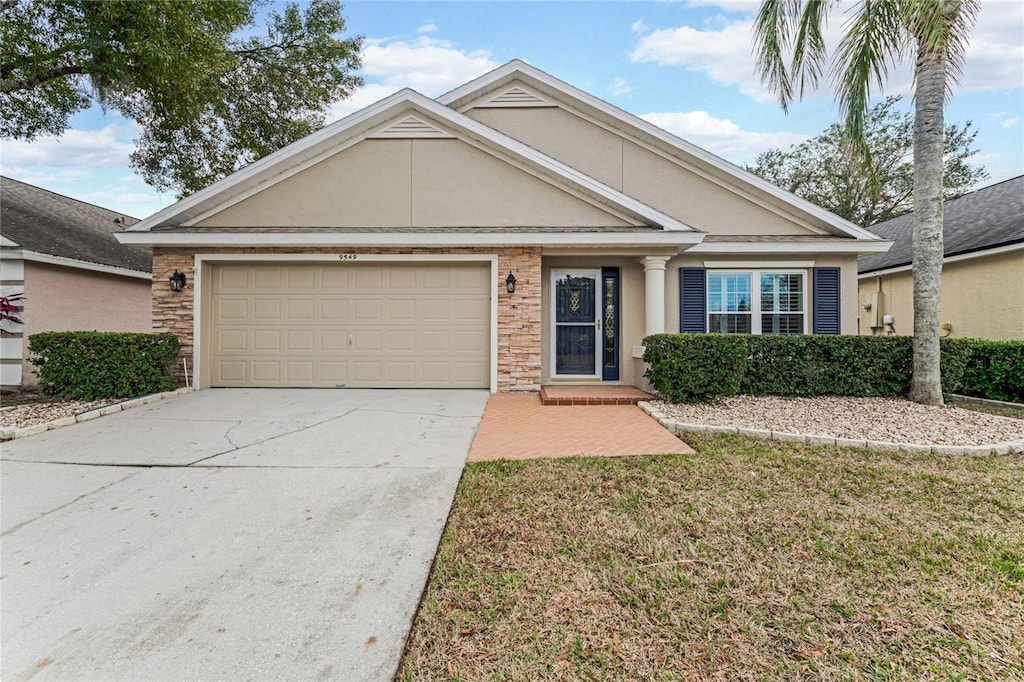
577,322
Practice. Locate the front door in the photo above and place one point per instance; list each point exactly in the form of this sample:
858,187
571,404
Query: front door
577,323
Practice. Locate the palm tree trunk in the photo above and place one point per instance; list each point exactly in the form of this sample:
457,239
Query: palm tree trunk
929,96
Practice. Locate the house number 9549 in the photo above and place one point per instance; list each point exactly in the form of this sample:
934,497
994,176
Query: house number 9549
347,256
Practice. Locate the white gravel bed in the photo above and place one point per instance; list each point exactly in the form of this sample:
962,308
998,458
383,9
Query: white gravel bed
877,419
31,414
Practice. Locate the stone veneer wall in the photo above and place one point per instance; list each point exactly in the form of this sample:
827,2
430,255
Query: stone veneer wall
519,314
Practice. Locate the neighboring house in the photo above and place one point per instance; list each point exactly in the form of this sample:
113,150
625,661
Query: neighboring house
62,254
982,269
375,252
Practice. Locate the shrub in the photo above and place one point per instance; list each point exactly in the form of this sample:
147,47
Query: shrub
692,367
688,368
828,365
91,365
994,370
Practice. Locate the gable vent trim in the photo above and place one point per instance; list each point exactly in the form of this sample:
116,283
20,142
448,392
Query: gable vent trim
411,127
516,97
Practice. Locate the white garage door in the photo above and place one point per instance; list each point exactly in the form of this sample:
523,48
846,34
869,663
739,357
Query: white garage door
362,325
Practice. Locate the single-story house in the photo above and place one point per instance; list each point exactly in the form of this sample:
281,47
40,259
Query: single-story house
982,269
515,231
61,255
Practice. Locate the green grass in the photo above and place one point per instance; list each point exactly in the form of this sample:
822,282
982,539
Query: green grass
749,560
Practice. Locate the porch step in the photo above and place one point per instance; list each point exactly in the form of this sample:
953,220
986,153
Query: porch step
592,395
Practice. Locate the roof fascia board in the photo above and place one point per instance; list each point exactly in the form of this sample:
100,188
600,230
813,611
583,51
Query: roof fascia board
982,253
492,140
459,98
254,169
854,246
37,257
457,238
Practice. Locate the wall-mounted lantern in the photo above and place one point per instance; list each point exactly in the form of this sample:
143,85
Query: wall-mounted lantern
510,282
177,281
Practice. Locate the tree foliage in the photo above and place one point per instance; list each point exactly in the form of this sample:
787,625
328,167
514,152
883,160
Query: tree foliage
825,171
210,89
792,56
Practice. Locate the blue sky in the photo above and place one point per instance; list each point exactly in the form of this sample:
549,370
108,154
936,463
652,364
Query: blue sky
685,66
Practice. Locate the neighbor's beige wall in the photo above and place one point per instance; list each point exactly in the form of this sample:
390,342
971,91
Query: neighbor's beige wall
981,297
412,183
637,171
59,298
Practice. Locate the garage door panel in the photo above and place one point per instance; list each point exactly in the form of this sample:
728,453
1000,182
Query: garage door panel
268,279
333,309
350,324
333,340
232,309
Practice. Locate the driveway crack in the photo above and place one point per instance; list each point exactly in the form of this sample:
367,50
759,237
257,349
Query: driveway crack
238,448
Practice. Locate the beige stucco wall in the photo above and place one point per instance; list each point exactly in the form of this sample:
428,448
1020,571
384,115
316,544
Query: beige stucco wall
413,183
637,171
981,298
59,298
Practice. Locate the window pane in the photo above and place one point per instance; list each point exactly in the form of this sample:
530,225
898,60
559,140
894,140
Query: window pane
782,292
782,324
729,292
736,323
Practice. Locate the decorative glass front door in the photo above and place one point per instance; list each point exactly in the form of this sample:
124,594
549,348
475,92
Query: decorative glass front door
577,322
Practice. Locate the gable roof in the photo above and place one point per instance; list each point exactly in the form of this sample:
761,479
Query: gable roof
44,222
984,219
362,124
695,158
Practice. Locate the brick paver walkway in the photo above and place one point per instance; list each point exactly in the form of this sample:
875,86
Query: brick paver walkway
518,426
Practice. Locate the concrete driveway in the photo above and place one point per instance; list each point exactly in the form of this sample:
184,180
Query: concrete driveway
228,534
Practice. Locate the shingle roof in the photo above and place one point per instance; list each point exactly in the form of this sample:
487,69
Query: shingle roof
984,219
46,222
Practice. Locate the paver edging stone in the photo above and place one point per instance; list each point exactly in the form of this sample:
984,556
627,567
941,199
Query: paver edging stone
13,433
678,428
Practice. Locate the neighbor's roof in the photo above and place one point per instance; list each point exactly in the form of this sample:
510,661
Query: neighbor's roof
45,222
984,219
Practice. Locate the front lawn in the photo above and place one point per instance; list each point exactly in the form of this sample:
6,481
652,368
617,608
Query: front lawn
748,560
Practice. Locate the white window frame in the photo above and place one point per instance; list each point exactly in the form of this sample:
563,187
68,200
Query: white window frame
755,294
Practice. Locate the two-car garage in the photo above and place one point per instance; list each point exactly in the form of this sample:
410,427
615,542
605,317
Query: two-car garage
356,323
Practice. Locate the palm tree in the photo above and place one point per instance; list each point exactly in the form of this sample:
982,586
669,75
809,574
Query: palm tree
877,35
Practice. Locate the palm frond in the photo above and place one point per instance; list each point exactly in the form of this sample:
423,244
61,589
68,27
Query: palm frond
942,26
873,40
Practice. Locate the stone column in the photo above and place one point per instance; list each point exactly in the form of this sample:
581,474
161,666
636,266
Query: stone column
654,294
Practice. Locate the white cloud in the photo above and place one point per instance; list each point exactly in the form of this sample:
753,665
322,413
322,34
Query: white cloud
720,135
619,87
996,50
426,65
722,51
427,28
1010,122
108,147
639,27
749,6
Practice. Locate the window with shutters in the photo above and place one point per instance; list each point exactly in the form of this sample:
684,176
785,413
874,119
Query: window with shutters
757,302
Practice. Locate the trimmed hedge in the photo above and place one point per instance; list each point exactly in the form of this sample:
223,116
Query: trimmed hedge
689,368
994,370
92,365
696,367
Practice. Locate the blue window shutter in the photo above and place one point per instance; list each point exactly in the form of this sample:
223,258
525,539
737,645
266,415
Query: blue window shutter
693,300
826,301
